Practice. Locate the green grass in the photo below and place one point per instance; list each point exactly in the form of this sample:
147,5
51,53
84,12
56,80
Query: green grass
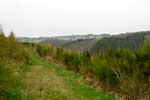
80,88
62,84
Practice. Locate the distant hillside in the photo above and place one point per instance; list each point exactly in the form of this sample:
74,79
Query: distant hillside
81,44
77,37
34,40
60,38
56,42
128,40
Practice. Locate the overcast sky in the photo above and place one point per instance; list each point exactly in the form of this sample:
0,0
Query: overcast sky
66,17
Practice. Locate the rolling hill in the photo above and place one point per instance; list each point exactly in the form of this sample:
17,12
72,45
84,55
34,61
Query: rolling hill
56,42
81,45
128,40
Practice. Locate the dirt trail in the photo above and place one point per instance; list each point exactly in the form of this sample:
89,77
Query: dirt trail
43,84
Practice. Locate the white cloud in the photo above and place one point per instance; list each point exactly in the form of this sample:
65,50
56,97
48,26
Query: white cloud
59,17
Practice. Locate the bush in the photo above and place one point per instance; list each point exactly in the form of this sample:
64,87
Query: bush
72,60
12,55
42,51
101,68
12,49
8,79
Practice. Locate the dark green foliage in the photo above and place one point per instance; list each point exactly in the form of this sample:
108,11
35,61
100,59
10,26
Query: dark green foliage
8,80
128,40
72,60
81,45
143,55
42,51
127,70
59,54
12,56
102,70
12,49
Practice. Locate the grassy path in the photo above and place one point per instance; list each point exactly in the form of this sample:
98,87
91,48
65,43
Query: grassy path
47,81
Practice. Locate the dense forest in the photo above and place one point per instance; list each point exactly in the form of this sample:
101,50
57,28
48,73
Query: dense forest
128,40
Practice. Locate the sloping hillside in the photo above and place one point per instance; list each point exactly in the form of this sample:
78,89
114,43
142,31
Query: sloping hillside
81,45
56,42
128,40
